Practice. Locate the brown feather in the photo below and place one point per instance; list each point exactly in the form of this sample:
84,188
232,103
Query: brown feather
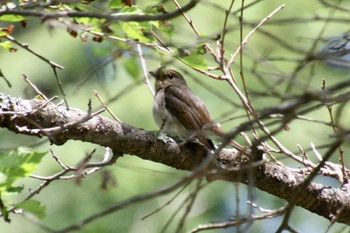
190,111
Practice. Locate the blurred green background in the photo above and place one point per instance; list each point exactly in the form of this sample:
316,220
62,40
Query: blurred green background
67,202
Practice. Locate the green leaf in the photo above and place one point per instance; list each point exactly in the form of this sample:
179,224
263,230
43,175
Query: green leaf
131,10
3,33
116,4
131,65
33,207
154,8
11,18
193,58
14,189
15,165
167,27
8,46
196,61
140,31
136,30
83,20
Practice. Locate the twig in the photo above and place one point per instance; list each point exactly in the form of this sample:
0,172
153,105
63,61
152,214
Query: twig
178,209
211,75
62,165
80,167
126,90
5,79
191,199
32,218
306,59
166,203
58,80
144,68
106,107
60,175
95,68
336,131
292,201
26,47
238,221
131,41
250,113
244,42
96,166
53,65
190,22
25,77
123,204
224,31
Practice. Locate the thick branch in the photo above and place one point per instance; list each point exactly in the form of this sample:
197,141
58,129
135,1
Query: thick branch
110,17
38,118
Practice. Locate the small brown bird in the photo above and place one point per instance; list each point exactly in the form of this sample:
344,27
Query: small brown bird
178,112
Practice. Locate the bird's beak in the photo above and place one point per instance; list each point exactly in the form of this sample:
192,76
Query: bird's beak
153,74
159,74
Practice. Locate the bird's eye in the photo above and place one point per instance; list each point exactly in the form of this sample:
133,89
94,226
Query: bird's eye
171,76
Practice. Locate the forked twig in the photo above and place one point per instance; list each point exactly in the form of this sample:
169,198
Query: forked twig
26,47
106,107
42,95
53,65
244,42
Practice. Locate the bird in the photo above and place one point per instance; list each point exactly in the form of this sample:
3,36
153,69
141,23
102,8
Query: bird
336,50
179,112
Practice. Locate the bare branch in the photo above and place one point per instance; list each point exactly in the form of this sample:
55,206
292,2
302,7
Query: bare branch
233,56
110,17
270,177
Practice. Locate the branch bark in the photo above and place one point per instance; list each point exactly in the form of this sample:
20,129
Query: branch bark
110,17
37,117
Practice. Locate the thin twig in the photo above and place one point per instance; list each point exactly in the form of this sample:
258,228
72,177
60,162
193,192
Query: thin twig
224,32
123,204
190,22
5,79
166,203
191,199
58,80
26,47
345,179
144,68
303,186
244,42
106,107
238,221
42,95
53,65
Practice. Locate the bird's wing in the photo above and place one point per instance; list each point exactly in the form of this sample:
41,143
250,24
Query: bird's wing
186,107
189,110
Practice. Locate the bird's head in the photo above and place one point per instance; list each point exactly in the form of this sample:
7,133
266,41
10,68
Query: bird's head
166,78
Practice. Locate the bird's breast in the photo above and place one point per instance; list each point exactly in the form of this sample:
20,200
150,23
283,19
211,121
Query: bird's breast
165,120
159,111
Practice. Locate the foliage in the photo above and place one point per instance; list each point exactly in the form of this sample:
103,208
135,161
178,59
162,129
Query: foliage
15,165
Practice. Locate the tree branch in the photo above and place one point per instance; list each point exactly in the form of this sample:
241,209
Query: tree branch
110,17
33,117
